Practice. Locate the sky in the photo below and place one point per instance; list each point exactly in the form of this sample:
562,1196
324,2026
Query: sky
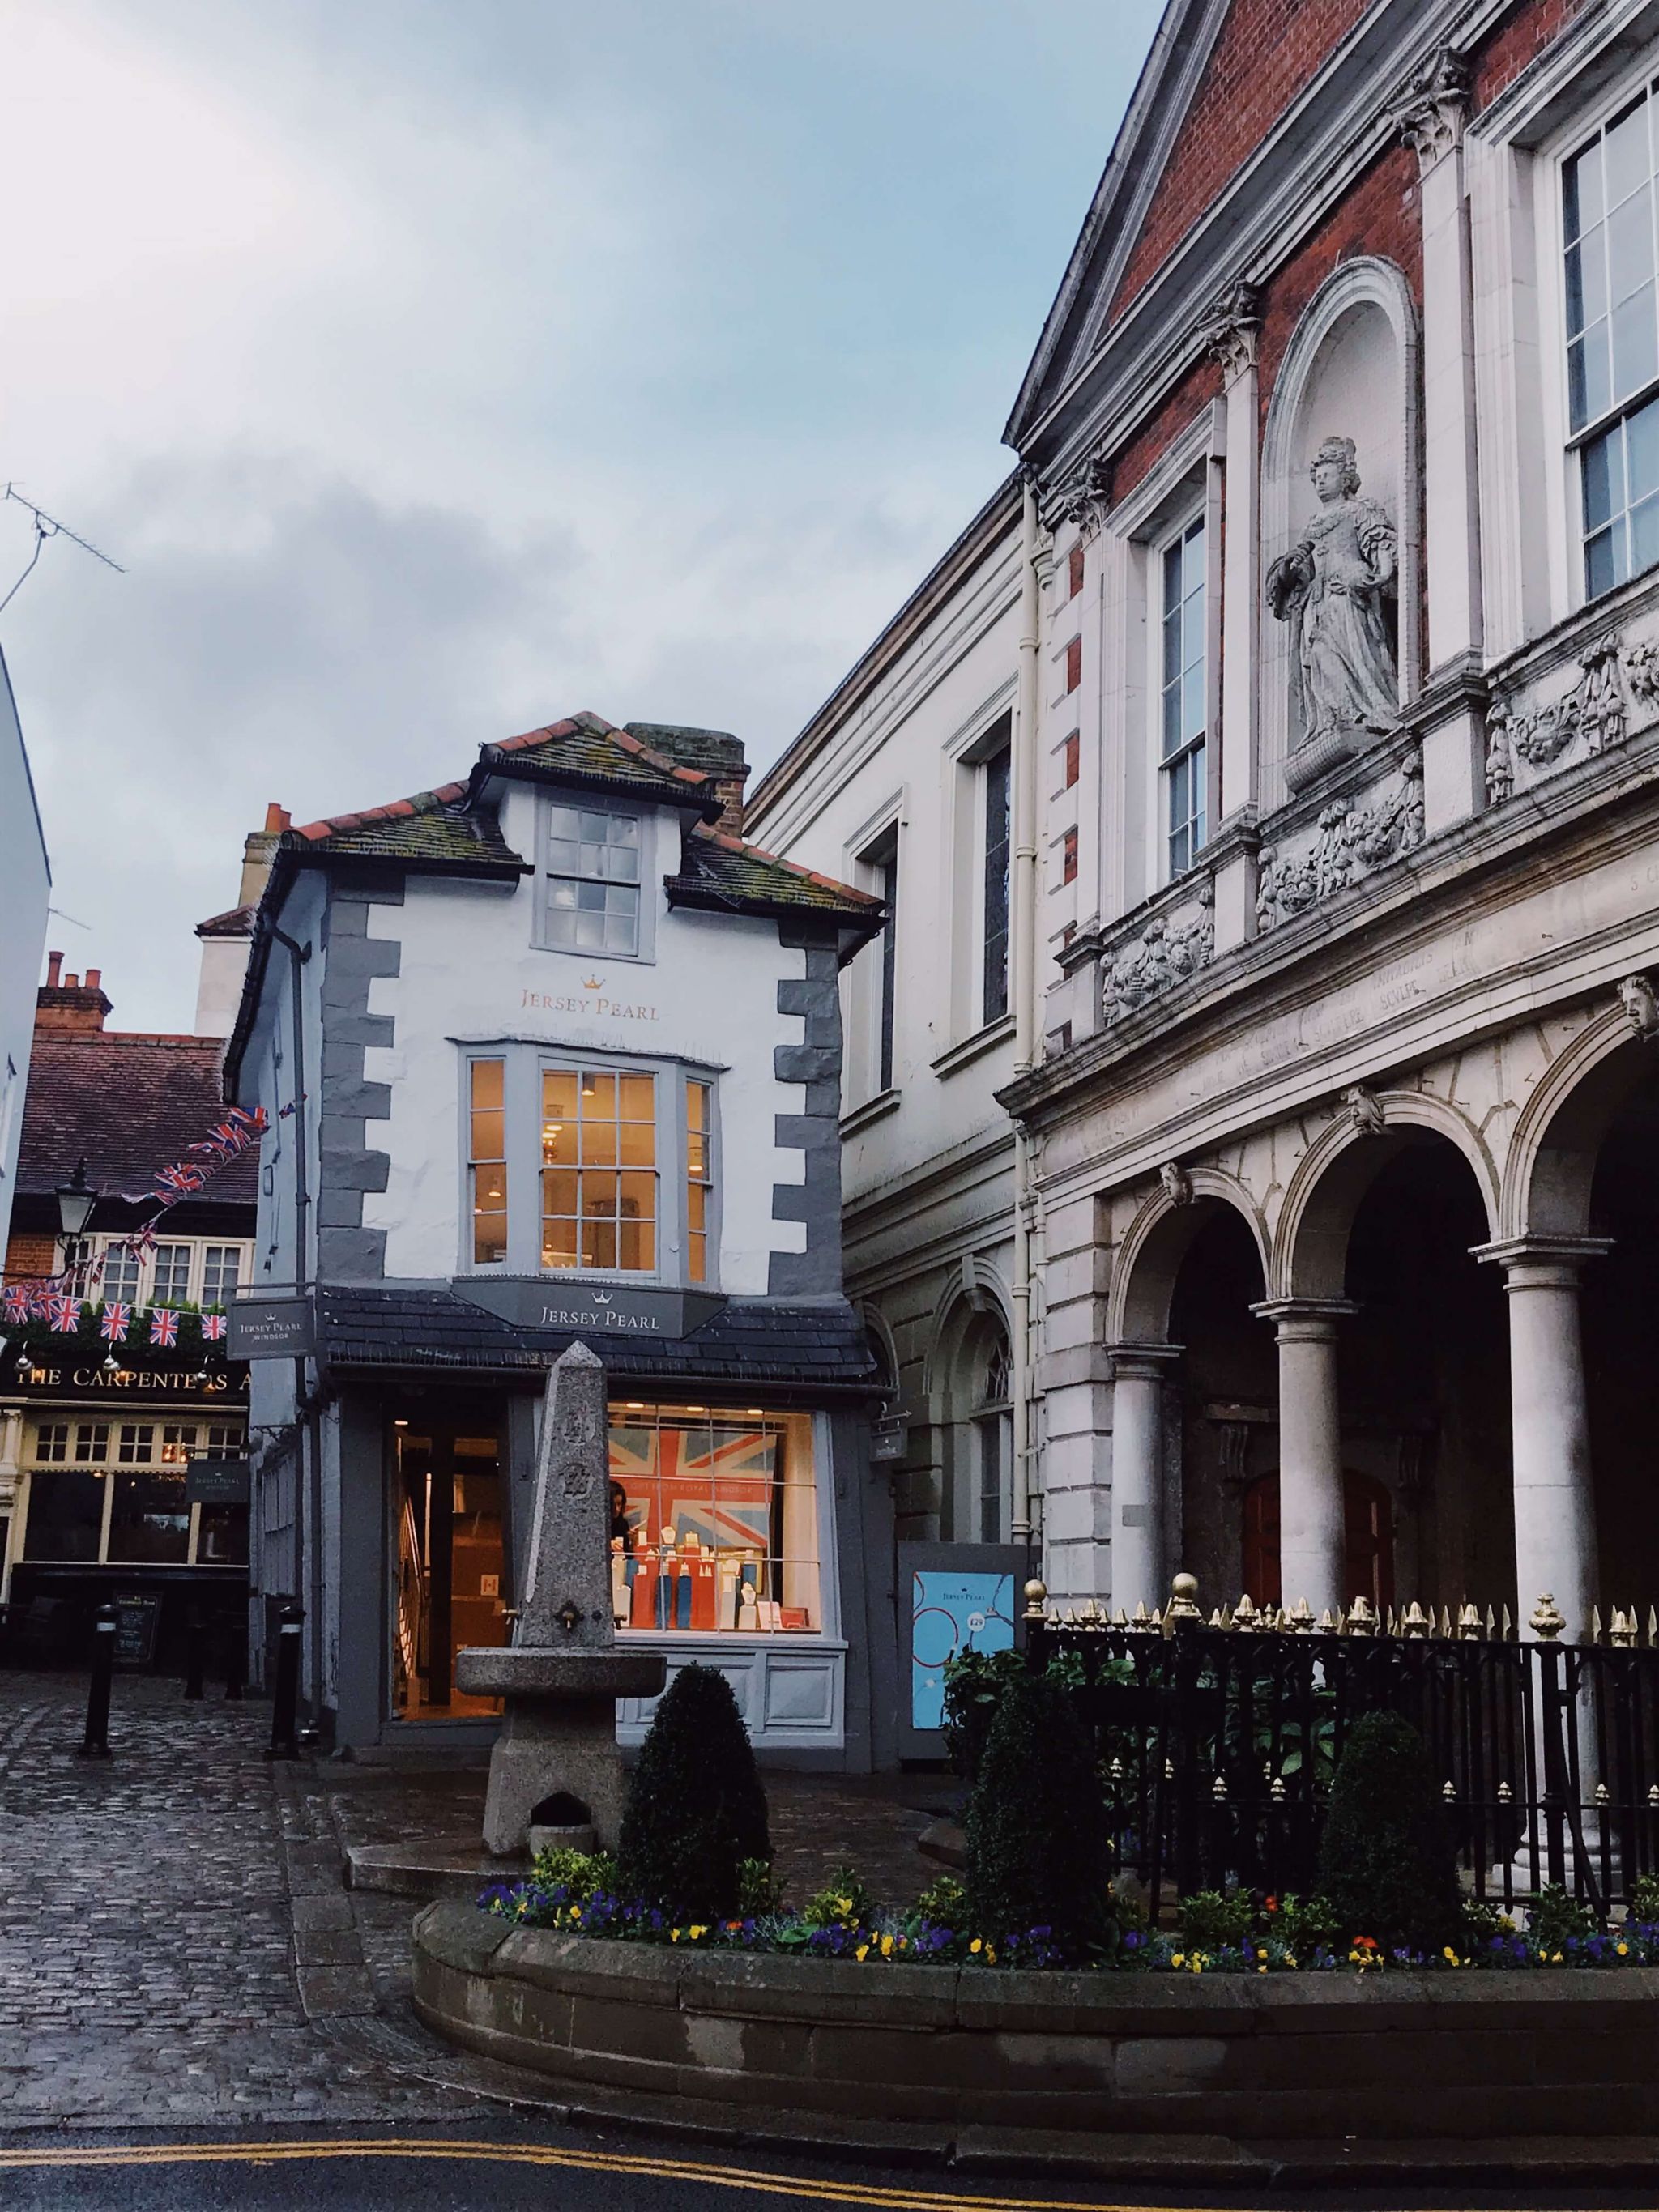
433,371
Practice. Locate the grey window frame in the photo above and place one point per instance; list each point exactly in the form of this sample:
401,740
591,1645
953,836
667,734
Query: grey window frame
645,818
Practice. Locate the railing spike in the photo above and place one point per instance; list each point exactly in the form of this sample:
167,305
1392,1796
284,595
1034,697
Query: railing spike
1138,1617
1469,1623
1445,1622
1326,1627
1505,1794
1277,1793
1362,1618
1220,1790
1120,1619
1653,1797
1653,1626
1508,1631
1215,1621
1299,1620
1595,1624
1168,1769
1416,1624
1390,1630
1604,1795
1492,1625
1157,1621
1449,1793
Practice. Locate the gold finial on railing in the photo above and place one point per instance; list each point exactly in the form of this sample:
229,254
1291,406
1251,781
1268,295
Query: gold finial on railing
1034,1594
1215,1619
1299,1620
1120,1619
1138,1618
1218,1790
1445,1621
1326,1627
1623,1632
1505,1794
1277,1793
1416,1622
1393,1625
1245,1616
1362,1618
1469,1623
1184,1602
1547,1620
1604,1795
1653,1797
1168,1769
1448,1794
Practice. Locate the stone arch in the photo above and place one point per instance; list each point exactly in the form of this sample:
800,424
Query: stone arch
1551,1161
973,1291
971,1342
1359,329
1158,1240
883,1347
1310,1241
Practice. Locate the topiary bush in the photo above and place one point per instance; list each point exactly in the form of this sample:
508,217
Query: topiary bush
696,1811
1386,1860
1035,1825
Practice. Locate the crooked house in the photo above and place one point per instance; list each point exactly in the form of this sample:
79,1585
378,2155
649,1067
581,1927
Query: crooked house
562,1053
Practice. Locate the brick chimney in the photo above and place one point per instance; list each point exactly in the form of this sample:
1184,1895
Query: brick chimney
716,752
259,851
66,1006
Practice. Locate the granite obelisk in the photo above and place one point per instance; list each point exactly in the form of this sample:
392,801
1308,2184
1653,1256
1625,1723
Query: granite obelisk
561,1676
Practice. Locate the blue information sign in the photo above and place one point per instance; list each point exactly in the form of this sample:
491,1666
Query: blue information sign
952,1610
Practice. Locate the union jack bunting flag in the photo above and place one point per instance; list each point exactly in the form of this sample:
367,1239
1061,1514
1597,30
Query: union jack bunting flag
180,1181
714,1483
64,1313
117,1319
16,1299
213,1328
164,1325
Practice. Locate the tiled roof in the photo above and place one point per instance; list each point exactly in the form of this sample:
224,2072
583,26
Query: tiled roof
127,1103
236,921
442,827
747,1341
720,870
586,749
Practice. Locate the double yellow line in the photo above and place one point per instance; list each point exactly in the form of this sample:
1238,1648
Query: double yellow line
816,2191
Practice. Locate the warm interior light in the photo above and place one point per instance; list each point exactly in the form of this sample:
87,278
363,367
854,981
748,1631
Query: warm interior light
755,1412
697,1409
633,1405
400,1425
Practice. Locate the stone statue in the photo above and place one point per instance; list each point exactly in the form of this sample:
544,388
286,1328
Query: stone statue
1336,587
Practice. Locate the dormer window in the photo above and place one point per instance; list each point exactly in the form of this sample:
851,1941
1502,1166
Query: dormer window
592,874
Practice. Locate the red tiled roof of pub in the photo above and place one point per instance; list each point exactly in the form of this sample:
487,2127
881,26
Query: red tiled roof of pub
127,1103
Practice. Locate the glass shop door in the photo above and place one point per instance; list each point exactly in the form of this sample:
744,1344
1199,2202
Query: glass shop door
451,1585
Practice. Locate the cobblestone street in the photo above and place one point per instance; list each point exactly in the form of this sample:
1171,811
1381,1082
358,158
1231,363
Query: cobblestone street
176,1945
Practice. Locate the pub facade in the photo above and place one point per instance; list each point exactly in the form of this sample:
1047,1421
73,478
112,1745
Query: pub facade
563,1053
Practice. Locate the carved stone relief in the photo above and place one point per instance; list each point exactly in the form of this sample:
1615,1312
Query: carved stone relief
1177,1183
1164,953
1596,711
1433,109
1351,842
1230,329
1641,1004
1365,1110
1082,498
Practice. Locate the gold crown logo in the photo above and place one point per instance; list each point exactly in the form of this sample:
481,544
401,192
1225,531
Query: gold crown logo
592,982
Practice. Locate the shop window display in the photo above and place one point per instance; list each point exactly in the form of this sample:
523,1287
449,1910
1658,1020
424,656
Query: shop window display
713,1521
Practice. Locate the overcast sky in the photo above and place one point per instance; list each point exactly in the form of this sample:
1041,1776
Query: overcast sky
437,367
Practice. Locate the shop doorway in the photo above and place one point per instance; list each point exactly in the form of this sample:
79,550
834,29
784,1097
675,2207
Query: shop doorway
451,1568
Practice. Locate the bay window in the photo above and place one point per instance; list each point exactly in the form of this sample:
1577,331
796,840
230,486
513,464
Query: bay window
126,1502
586,1165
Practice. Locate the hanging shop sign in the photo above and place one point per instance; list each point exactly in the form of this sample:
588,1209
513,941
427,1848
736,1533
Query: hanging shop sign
49,1375
217,1482
595,1309
272,1328
890,1440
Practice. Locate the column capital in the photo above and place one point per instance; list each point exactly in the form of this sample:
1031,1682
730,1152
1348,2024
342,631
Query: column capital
1231,328
1143,1362
1552,1263
1432,111
1305,1320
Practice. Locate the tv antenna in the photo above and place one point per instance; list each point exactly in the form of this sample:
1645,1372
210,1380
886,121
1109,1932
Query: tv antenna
47,525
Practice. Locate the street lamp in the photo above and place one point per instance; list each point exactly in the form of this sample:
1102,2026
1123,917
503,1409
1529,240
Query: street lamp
76,1200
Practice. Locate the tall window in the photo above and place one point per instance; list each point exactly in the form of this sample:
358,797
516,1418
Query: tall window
1613,344
994,1432
699,1179
880,866
1183,697
599,1170
122,1269
222,1267
994,984
486,1161
592,880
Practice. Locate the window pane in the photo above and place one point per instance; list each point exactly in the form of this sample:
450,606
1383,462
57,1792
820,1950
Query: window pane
1601,566
558,1244
598,1243
1625,153
598,1095
221,1273
66,1514
1635,342
171,1273
1644,536
559,1189
1641,449
638,1144
150,1521
92,1441
487,1141
1603,474
563,822
639,1097
564,857
1583,190
1630,246
598,1141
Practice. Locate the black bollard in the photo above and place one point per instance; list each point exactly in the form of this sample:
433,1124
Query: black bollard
235,1659
193,1652
95,1744
285,1713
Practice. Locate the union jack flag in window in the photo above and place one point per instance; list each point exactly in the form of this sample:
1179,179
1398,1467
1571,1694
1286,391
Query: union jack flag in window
714,1482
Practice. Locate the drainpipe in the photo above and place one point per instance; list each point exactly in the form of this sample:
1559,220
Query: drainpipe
307,1511
1024,920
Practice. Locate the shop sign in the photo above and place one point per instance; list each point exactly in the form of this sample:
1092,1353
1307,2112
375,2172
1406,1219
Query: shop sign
889,1441
595,1309
137,1620
50,1378
271,1328
217,1482
961,1597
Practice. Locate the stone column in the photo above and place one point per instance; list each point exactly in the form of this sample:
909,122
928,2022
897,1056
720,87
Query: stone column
1230,334
1139,1371
1430,119
1554,1502
1312,1537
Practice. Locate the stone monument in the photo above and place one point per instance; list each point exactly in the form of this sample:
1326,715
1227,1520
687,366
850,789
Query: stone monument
562,1674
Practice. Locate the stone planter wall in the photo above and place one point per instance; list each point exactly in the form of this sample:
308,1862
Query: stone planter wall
1088,2070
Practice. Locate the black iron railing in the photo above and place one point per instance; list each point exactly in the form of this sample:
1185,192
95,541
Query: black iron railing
1216,1743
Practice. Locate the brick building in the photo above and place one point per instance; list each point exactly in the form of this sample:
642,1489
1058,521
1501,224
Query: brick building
98,1439
1327,1202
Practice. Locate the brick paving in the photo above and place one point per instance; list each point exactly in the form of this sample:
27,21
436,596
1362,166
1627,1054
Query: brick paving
176,1944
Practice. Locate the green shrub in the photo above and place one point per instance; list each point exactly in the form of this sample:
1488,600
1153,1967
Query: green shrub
846,1902
1555,1917
1483,1918
1303,1924
1386,1860
942,1903
974,1684
579,1873
1217,1920
1035,1825
1644,1898
760,1895
695,1808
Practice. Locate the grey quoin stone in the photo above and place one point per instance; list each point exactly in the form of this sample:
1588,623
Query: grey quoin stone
562,1673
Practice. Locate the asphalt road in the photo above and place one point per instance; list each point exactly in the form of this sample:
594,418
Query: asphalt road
512,2166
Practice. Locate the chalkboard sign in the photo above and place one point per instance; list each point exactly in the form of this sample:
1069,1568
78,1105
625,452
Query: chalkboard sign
136,1621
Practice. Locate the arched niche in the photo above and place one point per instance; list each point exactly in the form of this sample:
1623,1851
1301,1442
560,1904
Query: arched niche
1350,370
